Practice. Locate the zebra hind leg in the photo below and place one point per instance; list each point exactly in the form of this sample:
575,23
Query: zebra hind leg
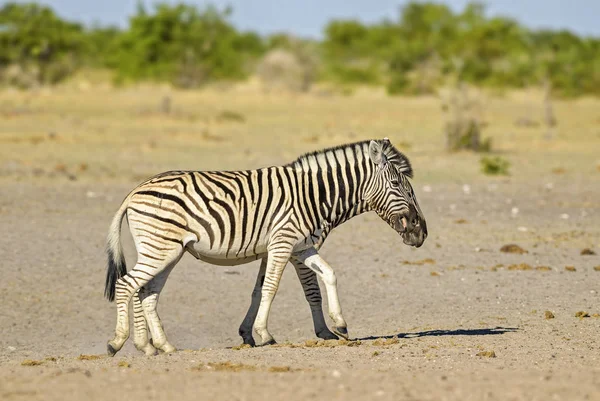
144,271
312,292
149,295
140,327
245,330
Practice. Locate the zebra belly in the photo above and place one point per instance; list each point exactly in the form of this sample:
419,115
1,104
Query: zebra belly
202,250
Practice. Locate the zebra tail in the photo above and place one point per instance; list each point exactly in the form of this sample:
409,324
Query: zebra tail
116,260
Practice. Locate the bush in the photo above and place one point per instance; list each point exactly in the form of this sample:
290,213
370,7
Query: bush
283,70
494,165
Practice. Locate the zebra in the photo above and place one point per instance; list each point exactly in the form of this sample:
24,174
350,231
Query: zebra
277,214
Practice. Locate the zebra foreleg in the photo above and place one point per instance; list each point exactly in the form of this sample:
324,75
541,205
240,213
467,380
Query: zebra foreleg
245,330
278,255
140,328
312,292
315,262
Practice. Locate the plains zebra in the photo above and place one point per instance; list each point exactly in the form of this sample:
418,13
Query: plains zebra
277,213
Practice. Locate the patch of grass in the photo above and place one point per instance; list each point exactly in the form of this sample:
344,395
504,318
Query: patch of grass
124,364
495,165
387,341
279,369
520,266
84,357
587,251
426,261
31,362
231,116
226,366
582,314
570,268
241,346
548,315
486,354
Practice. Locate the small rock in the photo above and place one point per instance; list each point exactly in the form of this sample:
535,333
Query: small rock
336,373
466,189
587,251
11,348
548,315
564,216
427,188
522,229
514,211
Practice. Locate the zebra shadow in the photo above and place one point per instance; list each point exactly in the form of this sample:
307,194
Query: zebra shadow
439,333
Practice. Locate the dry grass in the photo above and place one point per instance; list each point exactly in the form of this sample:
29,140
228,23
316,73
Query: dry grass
112,134
486,354
426,261
31,362
520,266
224,367
84,357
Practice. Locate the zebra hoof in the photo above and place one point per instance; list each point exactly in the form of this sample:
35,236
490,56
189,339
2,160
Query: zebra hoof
148,350
327,335
270,342
110,350
250,341
341,331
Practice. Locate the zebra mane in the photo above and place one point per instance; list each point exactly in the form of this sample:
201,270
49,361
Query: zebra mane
392,154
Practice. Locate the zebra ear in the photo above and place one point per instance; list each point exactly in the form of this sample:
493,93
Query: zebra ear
376,153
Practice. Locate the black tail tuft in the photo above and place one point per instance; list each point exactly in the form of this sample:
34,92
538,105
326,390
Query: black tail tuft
116,270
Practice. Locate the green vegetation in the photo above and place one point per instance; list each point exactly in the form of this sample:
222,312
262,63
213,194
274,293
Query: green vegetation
426,46
494,165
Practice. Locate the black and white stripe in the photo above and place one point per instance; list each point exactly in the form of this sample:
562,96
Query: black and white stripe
277,214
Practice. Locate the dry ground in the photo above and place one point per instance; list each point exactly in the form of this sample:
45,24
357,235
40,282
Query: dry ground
425,322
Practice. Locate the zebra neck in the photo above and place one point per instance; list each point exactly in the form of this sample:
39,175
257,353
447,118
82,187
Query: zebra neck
340,179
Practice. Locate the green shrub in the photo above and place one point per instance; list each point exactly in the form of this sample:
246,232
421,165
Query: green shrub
494,165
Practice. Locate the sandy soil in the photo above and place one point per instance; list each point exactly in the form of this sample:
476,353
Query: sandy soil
423,323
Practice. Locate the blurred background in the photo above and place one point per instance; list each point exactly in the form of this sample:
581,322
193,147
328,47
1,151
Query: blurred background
153,86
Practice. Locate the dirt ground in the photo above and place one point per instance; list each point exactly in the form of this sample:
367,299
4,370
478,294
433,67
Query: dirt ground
456,319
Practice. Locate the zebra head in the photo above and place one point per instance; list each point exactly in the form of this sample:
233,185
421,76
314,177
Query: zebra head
391,194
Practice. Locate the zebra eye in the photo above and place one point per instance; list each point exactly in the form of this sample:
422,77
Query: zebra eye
395,183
